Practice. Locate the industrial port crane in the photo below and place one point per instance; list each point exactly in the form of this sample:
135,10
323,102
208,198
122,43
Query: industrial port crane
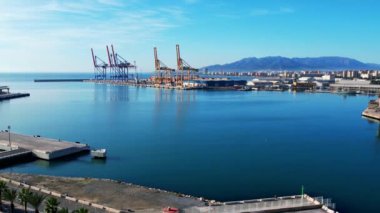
119,67
100,67
161,67
182,66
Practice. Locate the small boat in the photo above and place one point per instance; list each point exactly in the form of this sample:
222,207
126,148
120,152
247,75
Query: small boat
99,153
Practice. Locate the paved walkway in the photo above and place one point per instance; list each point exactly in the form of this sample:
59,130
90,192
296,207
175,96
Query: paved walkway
299,204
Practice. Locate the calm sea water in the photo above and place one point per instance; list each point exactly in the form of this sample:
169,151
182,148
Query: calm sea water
224,145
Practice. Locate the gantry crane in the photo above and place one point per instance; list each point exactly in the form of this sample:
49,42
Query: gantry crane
183,66
100,67
160,67
119,67
111,65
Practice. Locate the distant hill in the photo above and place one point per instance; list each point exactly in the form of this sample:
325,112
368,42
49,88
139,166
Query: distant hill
279,63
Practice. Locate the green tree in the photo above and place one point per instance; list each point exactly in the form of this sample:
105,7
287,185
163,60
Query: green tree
11,195
81,210
3,187
63,210
36,200
24,196
51,205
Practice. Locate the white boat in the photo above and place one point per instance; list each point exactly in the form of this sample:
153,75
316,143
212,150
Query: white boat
99,153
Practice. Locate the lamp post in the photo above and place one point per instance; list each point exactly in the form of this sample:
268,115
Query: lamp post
9,137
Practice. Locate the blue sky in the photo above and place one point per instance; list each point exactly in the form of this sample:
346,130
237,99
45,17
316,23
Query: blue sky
38,35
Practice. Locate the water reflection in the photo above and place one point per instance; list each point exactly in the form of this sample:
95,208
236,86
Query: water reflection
184,100
111,93
375,122
100,93
178,96
163,95
119,93
173,103
98,161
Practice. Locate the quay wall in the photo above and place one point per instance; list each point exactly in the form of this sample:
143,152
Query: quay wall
59,153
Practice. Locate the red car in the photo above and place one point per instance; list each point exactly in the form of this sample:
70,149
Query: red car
170,210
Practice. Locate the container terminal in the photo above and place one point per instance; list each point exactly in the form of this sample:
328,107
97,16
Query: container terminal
118,70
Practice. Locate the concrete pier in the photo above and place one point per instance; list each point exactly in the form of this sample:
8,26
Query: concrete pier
373,110
371,113
12,96
6,95
43,148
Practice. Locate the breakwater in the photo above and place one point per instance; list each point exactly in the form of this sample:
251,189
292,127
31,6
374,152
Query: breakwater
13,95
60,80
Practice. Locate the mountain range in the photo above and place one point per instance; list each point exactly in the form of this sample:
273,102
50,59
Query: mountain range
278,63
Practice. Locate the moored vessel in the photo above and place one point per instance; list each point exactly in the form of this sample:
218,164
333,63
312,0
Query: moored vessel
99,153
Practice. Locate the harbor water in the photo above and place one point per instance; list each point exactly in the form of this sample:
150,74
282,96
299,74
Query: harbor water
222,145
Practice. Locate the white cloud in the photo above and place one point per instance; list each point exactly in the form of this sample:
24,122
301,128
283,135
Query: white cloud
44,29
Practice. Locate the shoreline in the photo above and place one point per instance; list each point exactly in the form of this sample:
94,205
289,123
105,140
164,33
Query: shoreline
108,193
164,87
369,113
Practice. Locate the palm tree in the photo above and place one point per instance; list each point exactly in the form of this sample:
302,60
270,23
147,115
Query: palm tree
51,205
3,187
24,196
63,210
81,210
11,195
36,200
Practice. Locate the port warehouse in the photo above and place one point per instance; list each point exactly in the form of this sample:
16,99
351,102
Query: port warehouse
215,83
355,85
